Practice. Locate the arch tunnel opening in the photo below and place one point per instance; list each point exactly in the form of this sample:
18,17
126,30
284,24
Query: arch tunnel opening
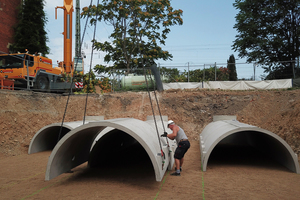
250,148
118,152
47,138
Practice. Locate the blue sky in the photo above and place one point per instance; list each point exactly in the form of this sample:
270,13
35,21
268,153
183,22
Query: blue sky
205,37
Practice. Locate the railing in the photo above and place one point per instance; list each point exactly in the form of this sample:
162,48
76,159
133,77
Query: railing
8,84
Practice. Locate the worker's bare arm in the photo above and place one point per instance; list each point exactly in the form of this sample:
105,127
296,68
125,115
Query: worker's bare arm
174,134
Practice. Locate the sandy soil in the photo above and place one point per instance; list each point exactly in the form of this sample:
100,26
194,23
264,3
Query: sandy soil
229,175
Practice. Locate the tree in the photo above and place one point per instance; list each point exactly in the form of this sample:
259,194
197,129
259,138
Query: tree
268,34
232,68
196,75
169,74
140,26
30,31
222,74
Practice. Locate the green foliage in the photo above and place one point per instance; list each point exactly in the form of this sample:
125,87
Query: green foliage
210,74
77,76
66,77
222,74
170,74
182,78
30,31
104,84
103,70
268,34
89,82
140,26
196,75
231,68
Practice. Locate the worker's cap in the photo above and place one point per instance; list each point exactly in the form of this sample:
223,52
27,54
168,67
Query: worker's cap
170,122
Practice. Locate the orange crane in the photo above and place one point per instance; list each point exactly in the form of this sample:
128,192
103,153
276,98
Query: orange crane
37,71
67,64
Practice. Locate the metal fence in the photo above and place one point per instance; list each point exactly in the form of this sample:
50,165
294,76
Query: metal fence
134,78
245,71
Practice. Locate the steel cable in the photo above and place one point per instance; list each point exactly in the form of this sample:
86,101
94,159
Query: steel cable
60,130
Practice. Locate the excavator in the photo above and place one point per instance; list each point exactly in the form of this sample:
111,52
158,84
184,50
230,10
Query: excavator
36,71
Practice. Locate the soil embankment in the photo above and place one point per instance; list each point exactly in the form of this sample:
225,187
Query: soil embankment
23,113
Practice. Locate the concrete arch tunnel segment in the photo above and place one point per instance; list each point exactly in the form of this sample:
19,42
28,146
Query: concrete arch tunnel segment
234,132
75,147
48,136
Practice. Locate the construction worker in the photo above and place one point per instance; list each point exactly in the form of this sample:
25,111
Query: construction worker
183,145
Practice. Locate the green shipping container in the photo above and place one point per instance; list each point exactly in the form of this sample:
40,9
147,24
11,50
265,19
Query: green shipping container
135,82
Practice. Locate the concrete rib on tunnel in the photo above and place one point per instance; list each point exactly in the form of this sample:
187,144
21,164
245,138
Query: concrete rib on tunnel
230,141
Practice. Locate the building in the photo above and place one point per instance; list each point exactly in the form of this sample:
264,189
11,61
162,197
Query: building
8,19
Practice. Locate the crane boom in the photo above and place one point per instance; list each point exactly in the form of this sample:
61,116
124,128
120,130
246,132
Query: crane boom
77,32
78,60
67,64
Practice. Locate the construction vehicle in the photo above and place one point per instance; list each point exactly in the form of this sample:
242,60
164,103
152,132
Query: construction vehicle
36,71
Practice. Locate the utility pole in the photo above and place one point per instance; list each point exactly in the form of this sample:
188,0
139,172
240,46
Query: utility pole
203,76
204,73
215,71
254,65
188,72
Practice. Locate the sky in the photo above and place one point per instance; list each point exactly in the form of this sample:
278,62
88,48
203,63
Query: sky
205,38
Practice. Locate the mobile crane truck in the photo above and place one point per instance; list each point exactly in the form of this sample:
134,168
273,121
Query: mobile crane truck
36,71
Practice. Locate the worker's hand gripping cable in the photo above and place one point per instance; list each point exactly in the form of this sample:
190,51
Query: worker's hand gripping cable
164,135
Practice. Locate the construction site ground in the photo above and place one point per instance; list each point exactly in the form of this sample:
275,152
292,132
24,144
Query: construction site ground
231,174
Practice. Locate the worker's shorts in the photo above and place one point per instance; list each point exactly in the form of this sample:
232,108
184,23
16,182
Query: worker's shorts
181,149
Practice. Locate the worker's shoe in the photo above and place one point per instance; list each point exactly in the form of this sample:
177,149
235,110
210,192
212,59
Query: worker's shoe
175,174
180,169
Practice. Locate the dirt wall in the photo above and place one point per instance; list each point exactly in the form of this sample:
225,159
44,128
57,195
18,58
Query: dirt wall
23,113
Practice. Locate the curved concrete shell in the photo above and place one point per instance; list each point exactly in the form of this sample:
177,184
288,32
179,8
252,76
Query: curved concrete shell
78,146
47,137
234,132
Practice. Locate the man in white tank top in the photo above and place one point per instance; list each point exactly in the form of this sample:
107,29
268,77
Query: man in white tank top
183,145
